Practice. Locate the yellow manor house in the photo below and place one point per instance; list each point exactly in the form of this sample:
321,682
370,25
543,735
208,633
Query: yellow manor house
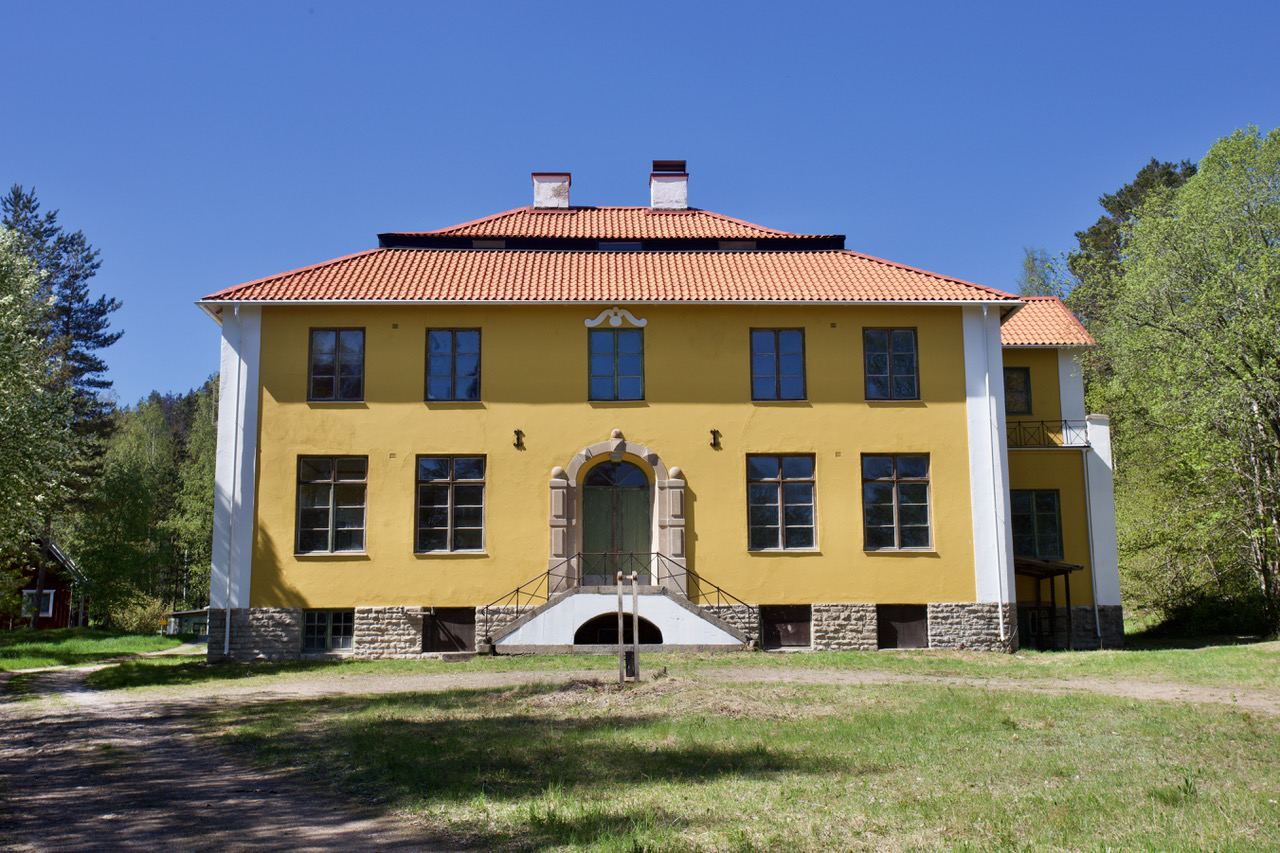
457,441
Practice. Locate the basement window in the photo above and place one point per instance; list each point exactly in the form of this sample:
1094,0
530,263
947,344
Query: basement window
328,630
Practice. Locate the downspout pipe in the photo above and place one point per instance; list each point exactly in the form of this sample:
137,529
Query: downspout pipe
235,485
996,481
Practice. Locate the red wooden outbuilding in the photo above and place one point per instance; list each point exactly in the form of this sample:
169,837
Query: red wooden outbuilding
65,603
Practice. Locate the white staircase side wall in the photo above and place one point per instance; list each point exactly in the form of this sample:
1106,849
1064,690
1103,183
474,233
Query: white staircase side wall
556,626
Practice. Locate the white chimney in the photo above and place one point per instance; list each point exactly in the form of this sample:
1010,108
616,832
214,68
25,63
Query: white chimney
551,190
669,185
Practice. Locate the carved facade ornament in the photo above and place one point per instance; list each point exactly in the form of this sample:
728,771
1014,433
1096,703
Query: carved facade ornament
616,316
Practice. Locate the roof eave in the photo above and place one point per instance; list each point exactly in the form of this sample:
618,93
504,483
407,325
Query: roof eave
1004,304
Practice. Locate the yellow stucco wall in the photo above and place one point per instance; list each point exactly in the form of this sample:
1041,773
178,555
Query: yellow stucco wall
1061,469
1046,398
534,378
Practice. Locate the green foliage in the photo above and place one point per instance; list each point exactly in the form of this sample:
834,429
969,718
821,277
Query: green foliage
71,328
33,414
1040,275
1195,382
147,524
1095,268
76,327
1097,263
144,614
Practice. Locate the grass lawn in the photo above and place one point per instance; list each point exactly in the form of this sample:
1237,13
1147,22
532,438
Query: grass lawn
25,649
681,763
1234,666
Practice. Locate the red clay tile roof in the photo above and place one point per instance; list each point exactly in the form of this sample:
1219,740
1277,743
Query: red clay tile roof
612,223
1044,322
497,275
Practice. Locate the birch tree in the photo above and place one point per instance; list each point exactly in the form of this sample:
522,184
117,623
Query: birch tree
1194,341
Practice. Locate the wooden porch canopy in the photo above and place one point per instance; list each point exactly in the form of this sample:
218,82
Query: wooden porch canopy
1050,570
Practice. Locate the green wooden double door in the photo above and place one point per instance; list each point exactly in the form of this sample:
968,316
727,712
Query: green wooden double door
616,530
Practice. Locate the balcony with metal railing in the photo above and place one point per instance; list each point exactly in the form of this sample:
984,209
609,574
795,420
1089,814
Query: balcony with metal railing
1047,433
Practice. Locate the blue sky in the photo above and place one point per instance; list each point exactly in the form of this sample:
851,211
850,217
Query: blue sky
202,145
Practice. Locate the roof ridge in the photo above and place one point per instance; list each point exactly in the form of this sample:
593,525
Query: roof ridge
495,217
758,227
448,228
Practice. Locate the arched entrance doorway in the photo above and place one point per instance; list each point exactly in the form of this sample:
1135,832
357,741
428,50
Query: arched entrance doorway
616,523
665,537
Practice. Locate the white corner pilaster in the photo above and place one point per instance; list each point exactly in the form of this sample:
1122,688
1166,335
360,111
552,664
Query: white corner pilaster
237,453
1071,383
988,455
1102,511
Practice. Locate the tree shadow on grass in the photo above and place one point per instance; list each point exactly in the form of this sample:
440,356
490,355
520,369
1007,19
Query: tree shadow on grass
576,770
159,672
1163,638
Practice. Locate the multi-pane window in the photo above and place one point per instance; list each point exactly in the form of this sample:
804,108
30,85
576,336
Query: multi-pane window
453,364
450,503
327,630
29,603
336,365
780,502
1037,523
895,501
331,496
777,364
1017,390
617,364
892,371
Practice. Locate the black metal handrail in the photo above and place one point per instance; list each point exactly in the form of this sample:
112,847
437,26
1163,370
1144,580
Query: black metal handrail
651,568
1048,433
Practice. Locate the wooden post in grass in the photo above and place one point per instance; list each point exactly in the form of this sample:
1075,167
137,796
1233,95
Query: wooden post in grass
622,665
635,624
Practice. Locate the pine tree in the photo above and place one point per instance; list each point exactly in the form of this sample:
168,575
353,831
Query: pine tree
74,328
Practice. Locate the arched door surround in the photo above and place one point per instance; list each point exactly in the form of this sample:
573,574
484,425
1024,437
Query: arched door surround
667,518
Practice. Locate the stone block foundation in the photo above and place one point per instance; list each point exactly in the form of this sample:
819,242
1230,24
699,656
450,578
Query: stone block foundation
492,621
744,617
843,627
972,625
257,633
275,633
387,632
1084,633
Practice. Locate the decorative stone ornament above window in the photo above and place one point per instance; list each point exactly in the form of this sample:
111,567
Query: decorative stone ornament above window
616,316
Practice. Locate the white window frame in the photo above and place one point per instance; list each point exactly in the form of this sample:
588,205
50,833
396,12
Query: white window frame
28,596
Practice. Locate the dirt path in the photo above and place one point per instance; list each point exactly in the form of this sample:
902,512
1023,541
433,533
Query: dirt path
79,774
82,770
